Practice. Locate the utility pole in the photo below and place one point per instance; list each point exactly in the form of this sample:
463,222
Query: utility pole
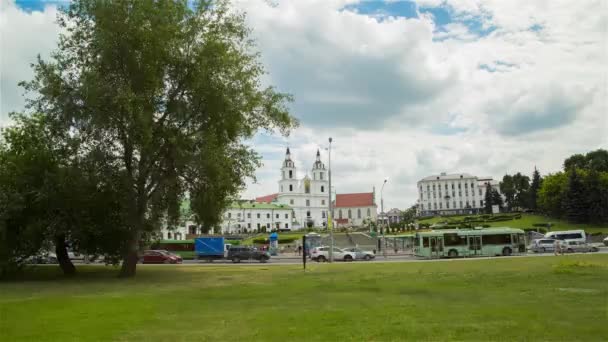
329,213
382,214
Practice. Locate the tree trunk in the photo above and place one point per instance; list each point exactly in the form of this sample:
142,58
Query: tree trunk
62,256
129,262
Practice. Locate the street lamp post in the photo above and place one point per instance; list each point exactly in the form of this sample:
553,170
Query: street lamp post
329,213
383,215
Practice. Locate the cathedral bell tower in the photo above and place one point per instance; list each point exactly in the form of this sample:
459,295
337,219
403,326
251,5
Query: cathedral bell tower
319,177
288,182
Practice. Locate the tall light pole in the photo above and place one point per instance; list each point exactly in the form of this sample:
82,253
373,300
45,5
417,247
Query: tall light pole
329,216
382,214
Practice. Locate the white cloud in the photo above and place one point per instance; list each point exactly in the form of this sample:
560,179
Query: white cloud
23,36
404,98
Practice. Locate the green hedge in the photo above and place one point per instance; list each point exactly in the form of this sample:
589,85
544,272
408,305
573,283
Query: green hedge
290,239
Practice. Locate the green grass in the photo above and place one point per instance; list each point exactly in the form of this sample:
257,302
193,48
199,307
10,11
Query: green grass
528,221
536,298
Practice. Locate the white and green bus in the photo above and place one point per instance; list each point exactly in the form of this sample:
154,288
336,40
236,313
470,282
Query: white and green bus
454,243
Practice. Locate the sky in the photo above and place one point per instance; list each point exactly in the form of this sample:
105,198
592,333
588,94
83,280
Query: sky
406,89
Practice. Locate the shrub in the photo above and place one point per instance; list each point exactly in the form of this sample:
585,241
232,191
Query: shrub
541,224
485,225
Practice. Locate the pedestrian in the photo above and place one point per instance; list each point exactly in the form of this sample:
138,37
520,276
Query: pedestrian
299,250
556,247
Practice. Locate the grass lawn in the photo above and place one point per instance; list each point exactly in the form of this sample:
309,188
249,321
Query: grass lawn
535,298
528,221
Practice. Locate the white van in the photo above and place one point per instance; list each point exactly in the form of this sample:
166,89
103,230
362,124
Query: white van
573,235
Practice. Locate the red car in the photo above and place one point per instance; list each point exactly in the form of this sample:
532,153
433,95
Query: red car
160,257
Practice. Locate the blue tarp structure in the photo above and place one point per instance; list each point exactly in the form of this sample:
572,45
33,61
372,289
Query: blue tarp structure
273,237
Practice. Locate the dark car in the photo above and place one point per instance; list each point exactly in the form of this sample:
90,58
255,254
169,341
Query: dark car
159,257
238,253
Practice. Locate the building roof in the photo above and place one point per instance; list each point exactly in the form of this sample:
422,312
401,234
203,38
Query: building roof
267,198
257,205
364,199
443,176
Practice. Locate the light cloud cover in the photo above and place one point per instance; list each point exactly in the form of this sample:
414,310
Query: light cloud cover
406,89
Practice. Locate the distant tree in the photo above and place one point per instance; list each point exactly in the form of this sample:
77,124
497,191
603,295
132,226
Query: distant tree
534,188
596,191
521,185
497,198
507,188
488,199
575,161
551,192
597,160
574,201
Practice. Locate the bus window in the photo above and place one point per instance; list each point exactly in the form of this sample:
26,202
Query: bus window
497,239
453,239
425,242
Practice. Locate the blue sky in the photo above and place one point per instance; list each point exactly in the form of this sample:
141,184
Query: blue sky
406,88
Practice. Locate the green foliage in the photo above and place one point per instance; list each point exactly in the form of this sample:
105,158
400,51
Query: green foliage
487,202
534,188
574,200
163,95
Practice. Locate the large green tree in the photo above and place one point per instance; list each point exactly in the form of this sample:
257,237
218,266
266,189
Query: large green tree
488,199
551,192
166,95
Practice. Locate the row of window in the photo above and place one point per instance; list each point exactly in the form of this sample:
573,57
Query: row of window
306,188
291,202
447,205
238,215
438,186
466,193
350,213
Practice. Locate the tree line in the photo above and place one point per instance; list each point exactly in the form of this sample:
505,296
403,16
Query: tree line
578,193
142,104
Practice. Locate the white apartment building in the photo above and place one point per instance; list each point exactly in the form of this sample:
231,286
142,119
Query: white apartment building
459,193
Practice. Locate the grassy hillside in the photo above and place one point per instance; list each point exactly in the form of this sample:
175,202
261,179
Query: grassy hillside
528,221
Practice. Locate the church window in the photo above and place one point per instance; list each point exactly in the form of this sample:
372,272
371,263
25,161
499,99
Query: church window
323,214
321,175
286,216
322,202
340,213
290,187
291,201
258,215
369,213
359,213
308,214
290,174
307,185
322,188
277,215
308,203
350,215
286,225
169,236
281,188
229,215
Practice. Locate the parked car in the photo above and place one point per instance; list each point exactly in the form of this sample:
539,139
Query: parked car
238,253
178,257
42,258
361,254
544,245
605,241
575,246
159,257
321,254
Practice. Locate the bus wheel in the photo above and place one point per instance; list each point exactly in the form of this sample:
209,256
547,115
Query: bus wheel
452,253
506,251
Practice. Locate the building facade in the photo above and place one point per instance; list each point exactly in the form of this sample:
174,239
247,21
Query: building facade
240,217
355,209
308,197
252,216
448,194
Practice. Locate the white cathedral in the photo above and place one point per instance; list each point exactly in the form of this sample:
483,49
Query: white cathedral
309,197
